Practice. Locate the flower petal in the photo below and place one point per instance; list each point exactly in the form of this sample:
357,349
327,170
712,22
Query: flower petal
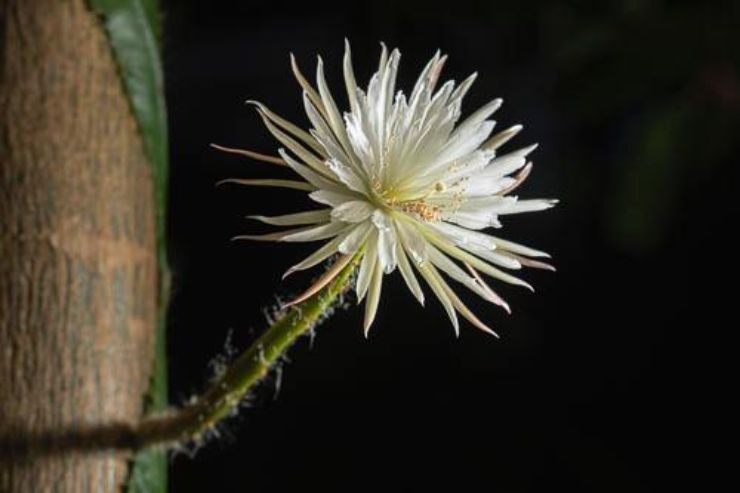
408,274
310,217
354,211
296,185
288,126
331,197
323,253
413,242
373,297
322,281
355,239
459,305
502,137
322,232
349,77
315,179
367,266
441,294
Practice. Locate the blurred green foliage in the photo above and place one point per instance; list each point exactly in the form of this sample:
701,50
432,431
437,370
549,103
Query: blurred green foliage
660,79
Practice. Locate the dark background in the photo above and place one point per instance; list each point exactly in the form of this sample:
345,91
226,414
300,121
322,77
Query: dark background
600,380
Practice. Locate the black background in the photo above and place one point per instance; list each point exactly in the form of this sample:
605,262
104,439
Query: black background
600,379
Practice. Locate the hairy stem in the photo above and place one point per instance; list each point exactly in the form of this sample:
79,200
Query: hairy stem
227,391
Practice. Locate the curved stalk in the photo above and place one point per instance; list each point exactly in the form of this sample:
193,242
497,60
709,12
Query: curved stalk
228,390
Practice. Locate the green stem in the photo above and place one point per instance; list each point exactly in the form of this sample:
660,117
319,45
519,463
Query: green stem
228,390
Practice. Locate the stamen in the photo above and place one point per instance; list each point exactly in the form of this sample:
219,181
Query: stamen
422,210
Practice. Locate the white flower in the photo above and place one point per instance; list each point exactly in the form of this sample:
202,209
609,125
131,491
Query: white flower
404,181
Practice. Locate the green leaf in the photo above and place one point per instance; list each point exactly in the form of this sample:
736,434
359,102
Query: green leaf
133,29
133,37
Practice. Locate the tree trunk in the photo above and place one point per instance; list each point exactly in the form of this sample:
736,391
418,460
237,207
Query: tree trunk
77,250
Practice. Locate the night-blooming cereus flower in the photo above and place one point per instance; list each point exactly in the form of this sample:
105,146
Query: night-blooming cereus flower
404,181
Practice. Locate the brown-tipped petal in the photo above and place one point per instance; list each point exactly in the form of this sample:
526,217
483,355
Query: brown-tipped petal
518,179
495,298
501,138
289,127
426,272
535,264
250,154
373,297
271,236
294,184
436,72
460,306
463,256
322,281
306,86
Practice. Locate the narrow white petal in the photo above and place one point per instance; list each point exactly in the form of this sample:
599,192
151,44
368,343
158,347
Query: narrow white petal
332,198
501,166
373,297
349,78
495,257
355,239
306,156
482,266
322,281
354,211
332,113
323,133
288,126
306,86
498,205
447,266
323,253
317,233
517,248
441,294
463,237
525,151
413,242
502,137
367,266
387,250
493,294
478,116
315,179
266,158
465,143
462,90
484,187
408,274
276,236
381,221
348,176
460,306
528,262
473,219
517,180
309,217
529,205
296,185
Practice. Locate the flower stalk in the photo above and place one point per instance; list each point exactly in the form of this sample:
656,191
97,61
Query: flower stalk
222,399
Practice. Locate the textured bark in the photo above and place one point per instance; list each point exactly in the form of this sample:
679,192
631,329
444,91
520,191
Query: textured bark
77,250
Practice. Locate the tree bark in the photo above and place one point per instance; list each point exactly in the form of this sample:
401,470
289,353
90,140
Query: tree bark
77,250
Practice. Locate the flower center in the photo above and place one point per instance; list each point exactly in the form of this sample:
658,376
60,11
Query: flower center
417,207
422,210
